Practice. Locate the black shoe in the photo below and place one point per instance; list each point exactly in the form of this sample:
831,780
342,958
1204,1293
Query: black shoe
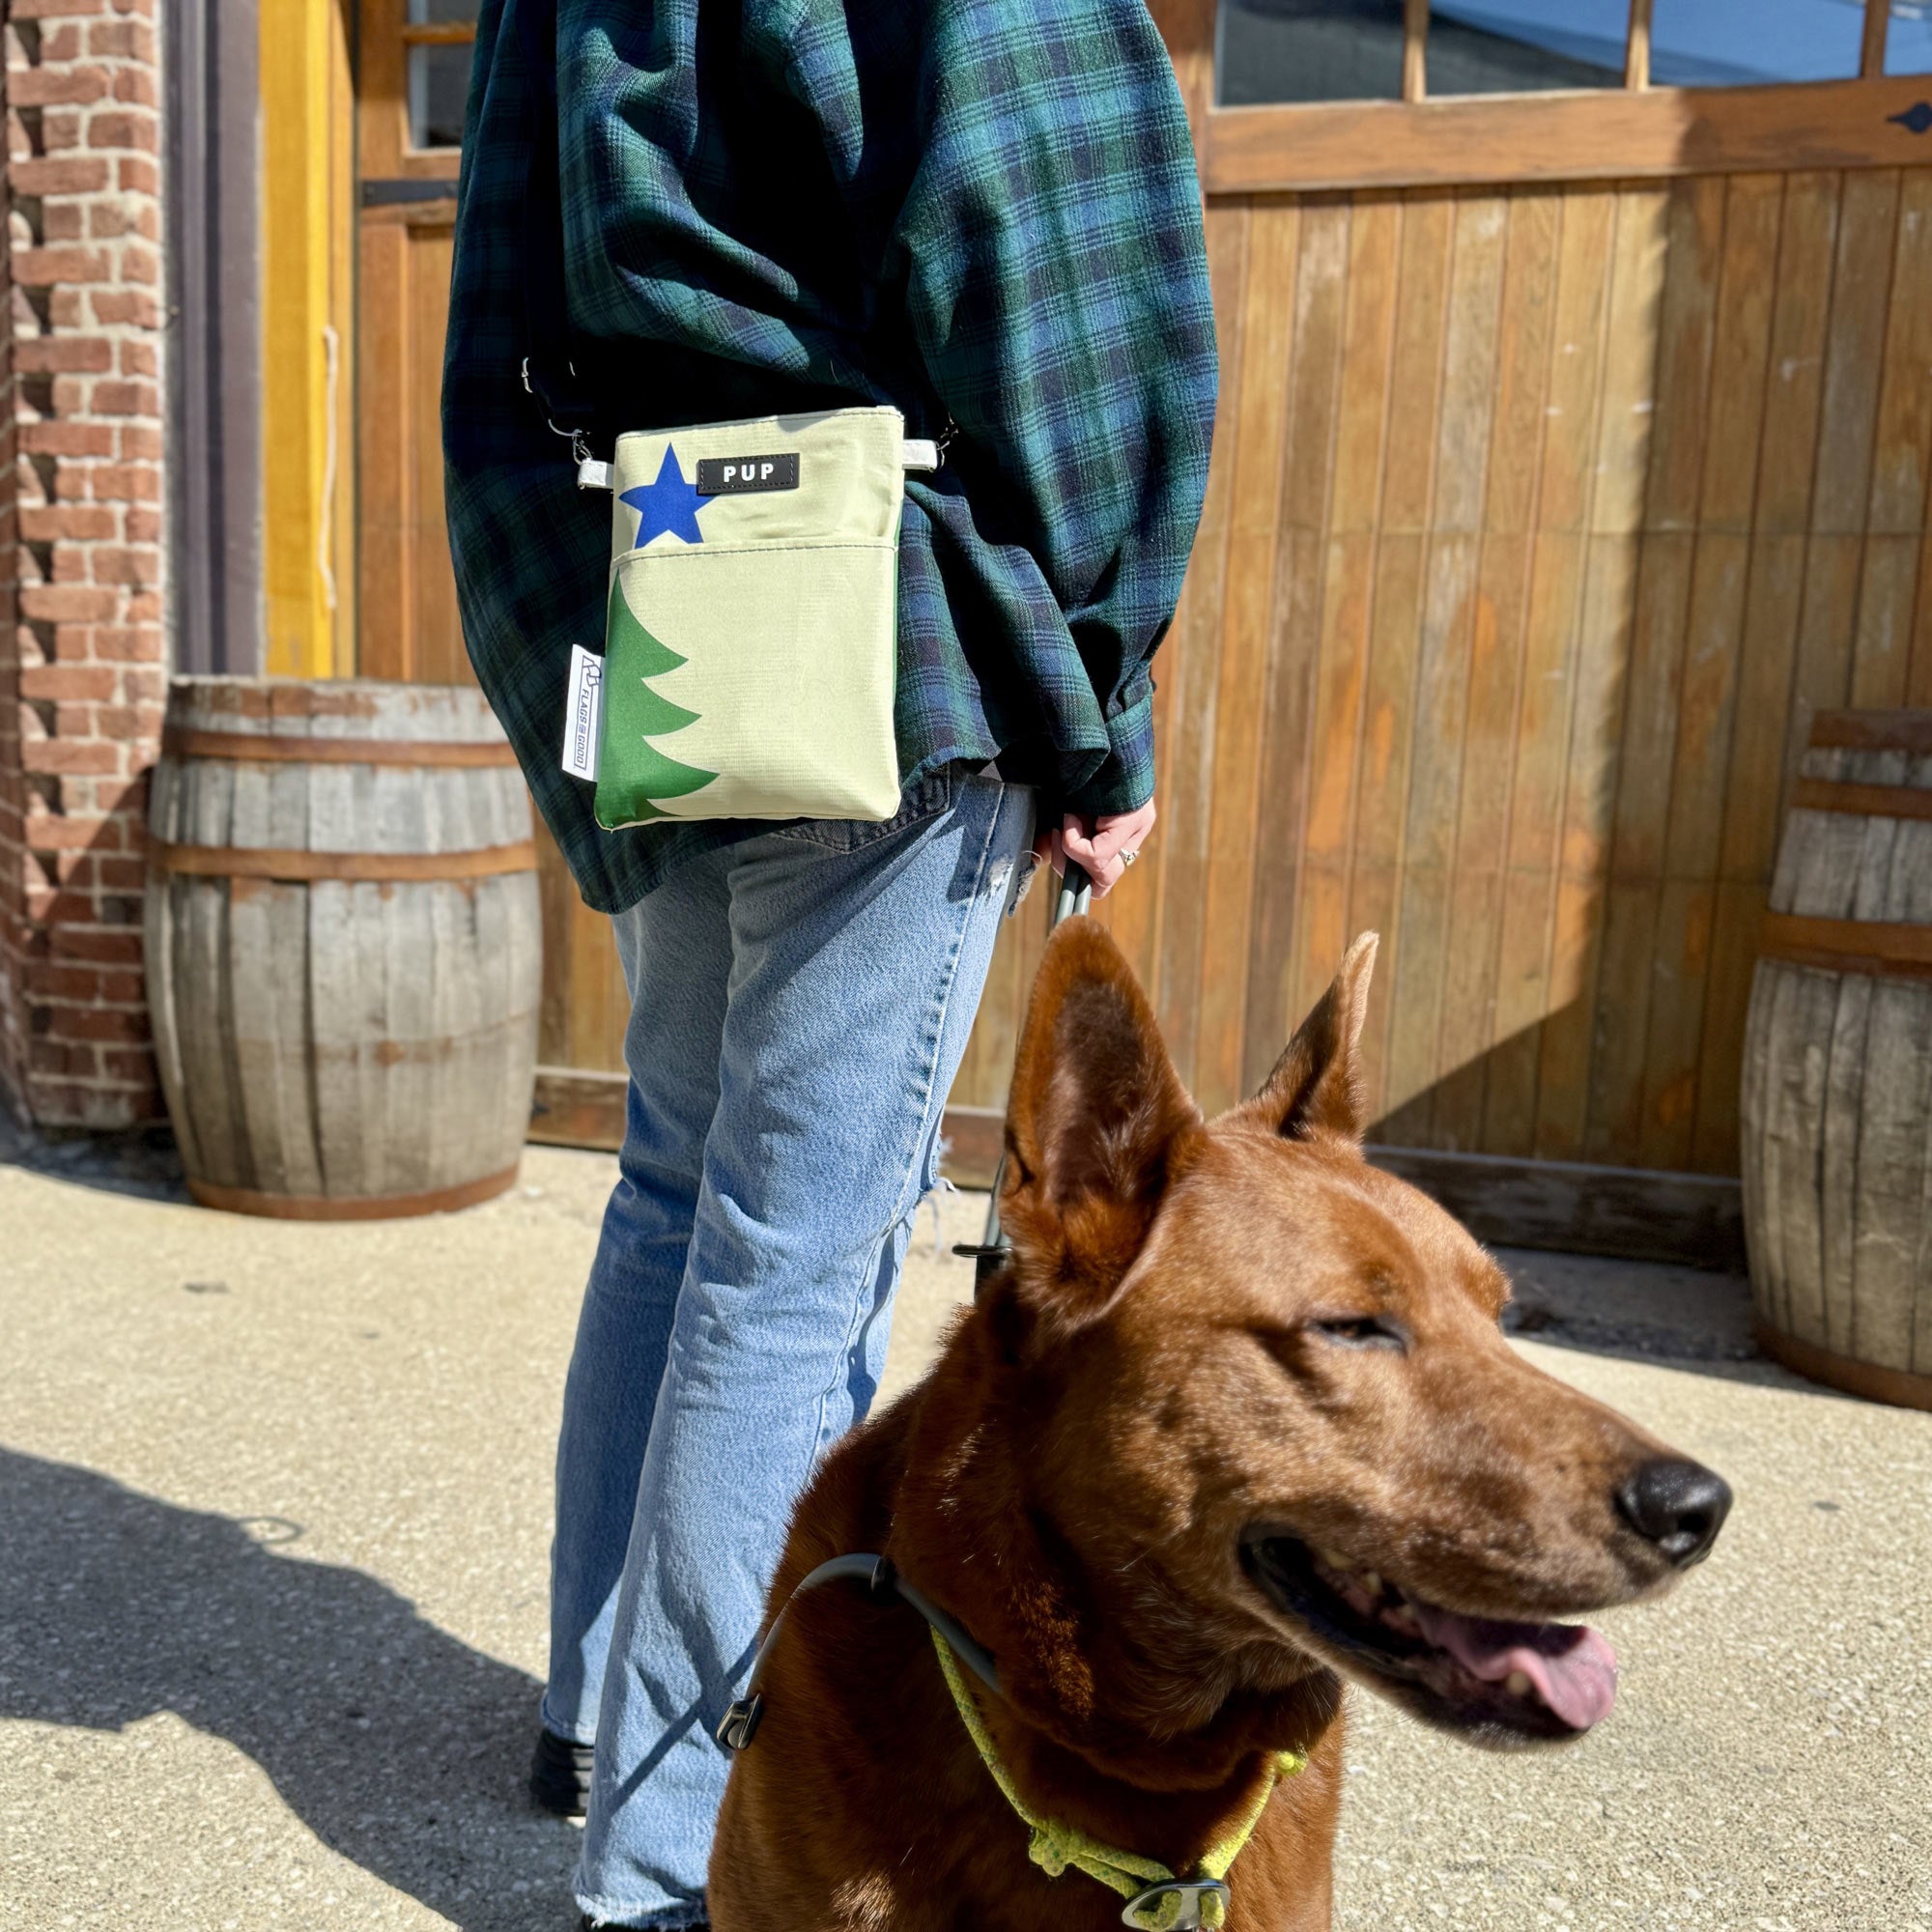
560,1775
586,1923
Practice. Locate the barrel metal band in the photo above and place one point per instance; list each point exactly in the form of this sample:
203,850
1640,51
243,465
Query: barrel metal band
231,861
1873,730
1874,947
256,748
352,1207
1904,1388
1867,800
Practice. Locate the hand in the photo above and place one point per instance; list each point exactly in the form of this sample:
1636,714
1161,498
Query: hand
1097,845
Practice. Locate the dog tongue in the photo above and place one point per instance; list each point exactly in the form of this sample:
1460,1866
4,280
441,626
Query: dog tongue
1573,1667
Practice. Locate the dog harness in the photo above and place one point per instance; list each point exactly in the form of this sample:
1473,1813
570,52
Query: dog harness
1157,1899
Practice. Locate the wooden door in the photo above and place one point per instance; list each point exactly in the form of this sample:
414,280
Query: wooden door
411,83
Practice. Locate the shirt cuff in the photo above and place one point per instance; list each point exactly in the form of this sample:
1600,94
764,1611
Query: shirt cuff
1124,781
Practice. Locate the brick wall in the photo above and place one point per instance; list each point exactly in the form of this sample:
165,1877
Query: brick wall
84,652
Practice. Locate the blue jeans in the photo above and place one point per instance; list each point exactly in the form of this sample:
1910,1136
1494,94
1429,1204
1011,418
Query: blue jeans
800,1003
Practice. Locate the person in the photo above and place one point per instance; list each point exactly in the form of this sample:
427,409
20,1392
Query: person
986,214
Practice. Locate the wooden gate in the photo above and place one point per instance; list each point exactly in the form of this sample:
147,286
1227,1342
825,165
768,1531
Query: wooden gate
1572,449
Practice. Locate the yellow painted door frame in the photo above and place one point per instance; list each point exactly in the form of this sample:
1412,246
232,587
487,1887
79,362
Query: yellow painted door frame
308,470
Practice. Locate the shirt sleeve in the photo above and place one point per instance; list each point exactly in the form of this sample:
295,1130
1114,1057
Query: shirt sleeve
1056,282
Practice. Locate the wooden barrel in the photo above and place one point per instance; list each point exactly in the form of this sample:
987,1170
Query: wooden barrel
1837,1075
343,945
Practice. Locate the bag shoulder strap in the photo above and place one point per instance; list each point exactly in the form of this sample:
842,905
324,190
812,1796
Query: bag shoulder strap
549,370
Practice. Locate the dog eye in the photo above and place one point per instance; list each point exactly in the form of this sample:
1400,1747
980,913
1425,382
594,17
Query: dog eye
1360,1331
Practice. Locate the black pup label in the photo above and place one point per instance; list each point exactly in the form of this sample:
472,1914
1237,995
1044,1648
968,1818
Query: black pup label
728,476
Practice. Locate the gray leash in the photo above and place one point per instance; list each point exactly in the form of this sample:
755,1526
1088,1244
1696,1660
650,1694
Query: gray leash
1076,895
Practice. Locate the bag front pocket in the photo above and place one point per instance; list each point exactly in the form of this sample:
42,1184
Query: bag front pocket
749,681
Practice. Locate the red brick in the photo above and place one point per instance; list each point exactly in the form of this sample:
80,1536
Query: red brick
107,947
72,395
66,308
128,723
71,174
63,982
135,1065
76,523
63,221
125,483
139,358
113,307
143,525
51,1056
61,755
138,175
136,86
131,127
46,832
56,10
62,41
116,563
141,441
139,264
120,876
67,603
49,355
97,683
124,399
67,438
143,607
124,39
99,1023
41,268
128,643
60,130
46,86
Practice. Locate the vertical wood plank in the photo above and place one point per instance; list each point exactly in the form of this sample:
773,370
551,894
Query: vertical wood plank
1268,318
1300,594
1415,393
1470,999
1629,384
1566,472
1193,655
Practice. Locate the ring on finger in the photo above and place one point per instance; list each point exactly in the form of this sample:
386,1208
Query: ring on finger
1128,858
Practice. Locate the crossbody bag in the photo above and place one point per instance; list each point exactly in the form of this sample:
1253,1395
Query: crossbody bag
752,607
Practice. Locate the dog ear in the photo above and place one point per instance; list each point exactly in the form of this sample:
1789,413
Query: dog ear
1093,1126
1315,1086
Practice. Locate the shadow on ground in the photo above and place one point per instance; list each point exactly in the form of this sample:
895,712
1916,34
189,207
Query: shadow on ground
142,1162
399,1747
1645,1312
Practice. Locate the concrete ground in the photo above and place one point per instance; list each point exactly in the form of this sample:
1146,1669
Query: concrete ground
273,1512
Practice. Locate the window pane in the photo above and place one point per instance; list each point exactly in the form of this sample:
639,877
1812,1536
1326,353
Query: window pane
438,86
1908,47
1745,43
440,13
1309,50
1523,47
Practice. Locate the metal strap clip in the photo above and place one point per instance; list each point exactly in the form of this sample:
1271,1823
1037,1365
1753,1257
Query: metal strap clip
1178,1905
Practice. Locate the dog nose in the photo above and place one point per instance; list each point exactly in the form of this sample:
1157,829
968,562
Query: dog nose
1678,1506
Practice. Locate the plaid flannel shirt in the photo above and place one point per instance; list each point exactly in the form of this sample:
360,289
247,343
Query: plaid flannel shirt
981,210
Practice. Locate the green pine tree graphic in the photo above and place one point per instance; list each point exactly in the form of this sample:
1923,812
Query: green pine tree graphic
648,712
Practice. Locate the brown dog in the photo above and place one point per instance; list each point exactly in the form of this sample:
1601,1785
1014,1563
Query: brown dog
1235,1422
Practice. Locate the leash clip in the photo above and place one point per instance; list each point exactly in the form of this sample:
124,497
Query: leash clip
741,1723
1178,1905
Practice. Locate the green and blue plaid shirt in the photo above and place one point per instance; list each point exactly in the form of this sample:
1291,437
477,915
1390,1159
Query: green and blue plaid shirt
985,209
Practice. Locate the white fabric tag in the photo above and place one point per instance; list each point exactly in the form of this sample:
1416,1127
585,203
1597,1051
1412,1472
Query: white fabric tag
919,453
583,713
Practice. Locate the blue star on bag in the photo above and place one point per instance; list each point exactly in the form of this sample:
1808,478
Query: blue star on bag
667,506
